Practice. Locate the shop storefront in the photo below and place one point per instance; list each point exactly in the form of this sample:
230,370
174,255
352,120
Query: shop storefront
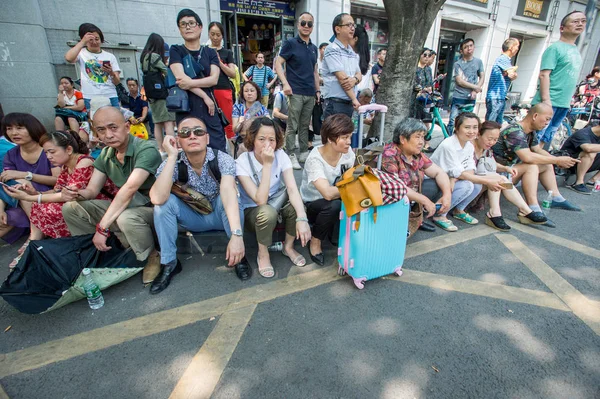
254,26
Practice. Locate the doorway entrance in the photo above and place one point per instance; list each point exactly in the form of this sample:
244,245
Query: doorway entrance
448,53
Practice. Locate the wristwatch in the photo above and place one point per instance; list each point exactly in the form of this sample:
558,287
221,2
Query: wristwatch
237,232
29,176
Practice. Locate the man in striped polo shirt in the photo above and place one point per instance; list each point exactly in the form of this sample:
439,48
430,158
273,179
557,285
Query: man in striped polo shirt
263,76
341,72
502,74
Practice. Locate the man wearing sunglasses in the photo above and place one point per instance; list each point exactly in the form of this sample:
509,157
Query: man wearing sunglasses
170,211
300,84
341,71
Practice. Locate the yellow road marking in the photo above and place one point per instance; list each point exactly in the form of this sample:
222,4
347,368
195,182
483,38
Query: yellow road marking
202,375
481,288
3,394
447,240
143,326
563,242
581,306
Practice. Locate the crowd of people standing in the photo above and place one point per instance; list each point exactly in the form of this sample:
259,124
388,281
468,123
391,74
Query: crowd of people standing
132,188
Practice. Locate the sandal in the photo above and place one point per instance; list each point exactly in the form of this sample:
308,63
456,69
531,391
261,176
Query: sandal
266,272
532,218
465,217
496,222
298,261
446,225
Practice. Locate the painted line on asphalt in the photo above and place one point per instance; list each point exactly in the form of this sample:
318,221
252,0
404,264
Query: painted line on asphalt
114,334
581,306
563,242
3,394
481,288
204,371
447,240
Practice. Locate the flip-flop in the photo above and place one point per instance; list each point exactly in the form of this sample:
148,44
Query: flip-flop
299,261
266,272
446,225
465,217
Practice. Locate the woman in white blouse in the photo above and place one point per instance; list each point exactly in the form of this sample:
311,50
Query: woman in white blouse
321,197
266,183
455,156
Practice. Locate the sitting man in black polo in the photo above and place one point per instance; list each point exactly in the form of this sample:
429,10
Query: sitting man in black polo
137,105
300,84
585,145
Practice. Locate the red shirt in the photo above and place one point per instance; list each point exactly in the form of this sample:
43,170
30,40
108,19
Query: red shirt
411,173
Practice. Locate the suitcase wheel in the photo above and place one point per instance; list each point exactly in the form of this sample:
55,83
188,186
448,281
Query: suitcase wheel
341,271
359,282
398,271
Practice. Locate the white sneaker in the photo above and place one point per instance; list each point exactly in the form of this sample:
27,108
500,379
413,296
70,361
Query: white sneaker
302,157
295,163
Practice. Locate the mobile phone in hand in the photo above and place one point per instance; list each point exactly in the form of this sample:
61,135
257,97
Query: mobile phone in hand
11,188
106,64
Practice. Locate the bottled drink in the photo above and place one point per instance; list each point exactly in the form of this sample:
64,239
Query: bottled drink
596,186
92,291
276,247
547,203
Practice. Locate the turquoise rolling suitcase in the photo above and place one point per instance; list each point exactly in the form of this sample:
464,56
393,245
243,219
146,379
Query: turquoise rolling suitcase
377,248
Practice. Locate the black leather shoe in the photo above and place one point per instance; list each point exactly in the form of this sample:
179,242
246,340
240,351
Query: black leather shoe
427,227
164,278
319,259
243,269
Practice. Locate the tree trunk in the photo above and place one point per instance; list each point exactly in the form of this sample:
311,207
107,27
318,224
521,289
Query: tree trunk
409,22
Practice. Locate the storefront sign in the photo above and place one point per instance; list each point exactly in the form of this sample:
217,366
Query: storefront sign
480,3
535,9
260,7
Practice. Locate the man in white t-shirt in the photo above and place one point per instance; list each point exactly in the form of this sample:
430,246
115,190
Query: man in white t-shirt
98,69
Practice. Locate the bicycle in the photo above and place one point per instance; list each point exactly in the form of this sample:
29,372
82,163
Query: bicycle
434,106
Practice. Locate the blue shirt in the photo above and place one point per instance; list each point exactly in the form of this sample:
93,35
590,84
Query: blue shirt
300,59
376,71
239,109
499,83
5,145
261,76
136,105
338,58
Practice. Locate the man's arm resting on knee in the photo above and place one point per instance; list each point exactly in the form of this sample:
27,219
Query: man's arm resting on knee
124,197
538,156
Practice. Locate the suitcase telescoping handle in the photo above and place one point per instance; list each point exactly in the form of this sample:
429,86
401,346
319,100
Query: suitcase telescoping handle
361,111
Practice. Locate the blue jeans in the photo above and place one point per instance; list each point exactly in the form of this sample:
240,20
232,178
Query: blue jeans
454,111
175,212
495,109
463,193
545,135
114,101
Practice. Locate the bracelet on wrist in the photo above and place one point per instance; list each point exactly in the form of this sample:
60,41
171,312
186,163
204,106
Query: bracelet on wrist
104,232
302,220
39,199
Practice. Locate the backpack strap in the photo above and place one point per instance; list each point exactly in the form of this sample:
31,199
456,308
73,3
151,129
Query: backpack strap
213,166
182,170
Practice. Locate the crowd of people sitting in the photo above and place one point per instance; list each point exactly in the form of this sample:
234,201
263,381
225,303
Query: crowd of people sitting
204,177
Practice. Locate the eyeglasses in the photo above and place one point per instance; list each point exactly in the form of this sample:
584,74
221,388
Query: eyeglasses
191,24
350,25
305,23
197,131
427,55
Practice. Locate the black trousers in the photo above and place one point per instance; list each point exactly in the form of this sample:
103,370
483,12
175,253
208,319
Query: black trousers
325,218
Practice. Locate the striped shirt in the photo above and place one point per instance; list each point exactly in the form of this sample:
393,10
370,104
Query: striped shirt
499,83
338,58
261,76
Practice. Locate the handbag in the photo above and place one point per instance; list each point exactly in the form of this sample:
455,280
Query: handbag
195,200
360,189
279,198
154,82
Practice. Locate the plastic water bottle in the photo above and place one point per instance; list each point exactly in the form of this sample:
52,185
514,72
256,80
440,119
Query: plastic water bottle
547,203
276,247
596,186
92,291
